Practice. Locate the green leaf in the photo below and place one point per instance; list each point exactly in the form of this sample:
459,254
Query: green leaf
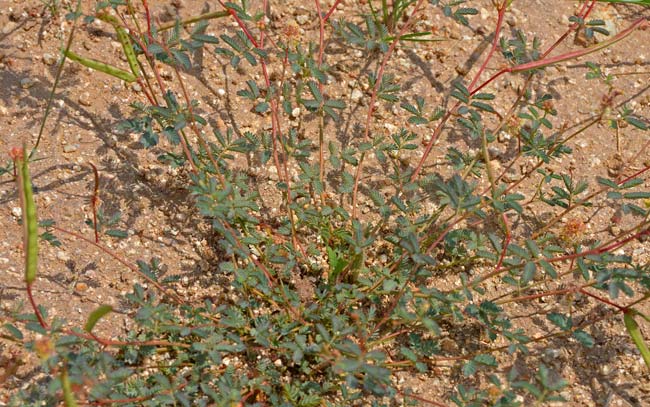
561,321
487,360
636,195
529,272
120,234
483,106
95,316
635,333
313,88
469,368
210,39
584,338
15,332
181,59
606,182
548,268
636,123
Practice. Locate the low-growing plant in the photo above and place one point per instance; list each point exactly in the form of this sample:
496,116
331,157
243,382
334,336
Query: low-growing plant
340,287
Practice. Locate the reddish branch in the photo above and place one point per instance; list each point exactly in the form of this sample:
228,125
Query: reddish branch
373,99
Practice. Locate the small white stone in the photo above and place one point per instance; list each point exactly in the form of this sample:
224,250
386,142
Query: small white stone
356,95
295,112
221,92
390,127
278,363
302,19
63,256
49,59
84,99
70,148
17,211
504,136
8,27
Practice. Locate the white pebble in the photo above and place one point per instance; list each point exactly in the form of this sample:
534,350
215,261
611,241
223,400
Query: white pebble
17,211
356,95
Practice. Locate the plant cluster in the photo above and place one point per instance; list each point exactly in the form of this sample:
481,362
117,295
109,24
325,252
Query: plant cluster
337,289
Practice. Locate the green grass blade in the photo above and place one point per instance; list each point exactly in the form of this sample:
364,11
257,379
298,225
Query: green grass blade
95,316
57,78
635,333
30,222
102,67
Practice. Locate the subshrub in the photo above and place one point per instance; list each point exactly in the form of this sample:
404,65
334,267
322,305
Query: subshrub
353,255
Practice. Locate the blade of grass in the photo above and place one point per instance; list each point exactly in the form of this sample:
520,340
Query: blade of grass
57,78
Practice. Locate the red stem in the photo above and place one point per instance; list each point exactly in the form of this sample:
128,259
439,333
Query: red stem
527,67
148,14
438,130
603,300
495,43
373,98
571,27
331,11
94,200
123,262
37,311
506,240
636,174
597,250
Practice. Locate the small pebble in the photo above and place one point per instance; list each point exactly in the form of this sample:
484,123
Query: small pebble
49,59
27,83
302,19
356,95
295,112
8,27
81,287
70,148
84,99
17,211
63,256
